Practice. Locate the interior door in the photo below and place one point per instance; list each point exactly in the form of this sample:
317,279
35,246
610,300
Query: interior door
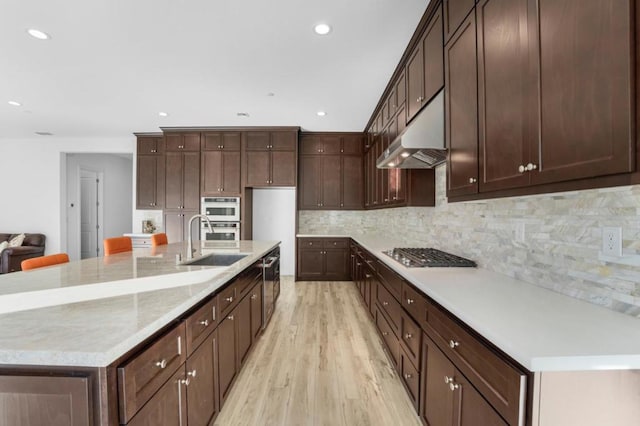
89,214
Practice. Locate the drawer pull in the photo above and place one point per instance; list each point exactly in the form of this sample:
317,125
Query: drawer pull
204,323
229,299
452,384
185,381
410,301
368,275
162,364
408,336
408,376
385,303
254,296
384,333
453,344
192,373
230,317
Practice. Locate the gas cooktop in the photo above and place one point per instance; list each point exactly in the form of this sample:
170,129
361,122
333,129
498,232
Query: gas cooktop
428,257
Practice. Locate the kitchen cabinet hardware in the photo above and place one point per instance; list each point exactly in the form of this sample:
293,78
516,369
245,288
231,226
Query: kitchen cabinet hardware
162,364
254,296
473,180
230,317
186,381
213,311
453,344
204,323
408,376
408,336
385,333
531,167
410,301
229,299
522,168
385,303
192,373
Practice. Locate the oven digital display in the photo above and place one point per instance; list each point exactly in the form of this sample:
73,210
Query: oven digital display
220,211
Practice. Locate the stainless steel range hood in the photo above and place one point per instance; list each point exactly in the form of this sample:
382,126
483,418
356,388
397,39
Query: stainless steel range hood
421,144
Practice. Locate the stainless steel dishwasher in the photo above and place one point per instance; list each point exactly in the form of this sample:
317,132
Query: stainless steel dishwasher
271,284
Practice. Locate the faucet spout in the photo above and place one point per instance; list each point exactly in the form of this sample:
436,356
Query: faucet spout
190,249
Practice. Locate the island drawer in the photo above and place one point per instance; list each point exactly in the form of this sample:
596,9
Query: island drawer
390,306
228,298
310,242
500,382
390,340
145,373
410,335
201,323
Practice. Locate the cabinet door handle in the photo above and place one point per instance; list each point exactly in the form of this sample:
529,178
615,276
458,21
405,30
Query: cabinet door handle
368,275
186,381
409,301
230,317
472,180
213,311
521,168
531,167
254,296
453,344
385,303
192,373
204,323
385,333
408,376
229,299
408,336
162,364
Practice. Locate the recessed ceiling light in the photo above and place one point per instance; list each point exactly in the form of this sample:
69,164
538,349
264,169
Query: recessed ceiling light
163,114
14,103
322,29
44,133
242,114
321,113
40,35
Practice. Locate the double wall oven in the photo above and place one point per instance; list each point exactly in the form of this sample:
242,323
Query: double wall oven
224,214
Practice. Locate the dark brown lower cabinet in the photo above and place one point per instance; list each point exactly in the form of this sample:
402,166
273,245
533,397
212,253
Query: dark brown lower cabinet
411,377
202,371
447,396
242,318
323,259
226,355
44,400
256,311
167,407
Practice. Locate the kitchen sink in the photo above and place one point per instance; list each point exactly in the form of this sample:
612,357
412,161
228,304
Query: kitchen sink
217,259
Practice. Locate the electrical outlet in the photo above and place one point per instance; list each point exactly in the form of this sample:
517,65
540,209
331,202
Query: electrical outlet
612,241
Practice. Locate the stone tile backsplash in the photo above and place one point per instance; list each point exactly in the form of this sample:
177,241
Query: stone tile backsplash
550,240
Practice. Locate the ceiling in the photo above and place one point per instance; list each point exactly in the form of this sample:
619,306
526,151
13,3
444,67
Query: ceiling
112,65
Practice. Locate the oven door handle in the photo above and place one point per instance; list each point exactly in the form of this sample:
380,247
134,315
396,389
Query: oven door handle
272,260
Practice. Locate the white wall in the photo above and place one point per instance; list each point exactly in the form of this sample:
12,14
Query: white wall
117,172
274,219
34,189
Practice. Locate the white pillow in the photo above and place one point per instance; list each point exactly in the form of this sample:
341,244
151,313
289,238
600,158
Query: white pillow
4,245
16,241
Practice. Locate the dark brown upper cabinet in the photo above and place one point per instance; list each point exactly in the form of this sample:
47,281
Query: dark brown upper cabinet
461,110
150,173
424,69
455,12
505,97
182,141
270,158
221,164
182,181
584,57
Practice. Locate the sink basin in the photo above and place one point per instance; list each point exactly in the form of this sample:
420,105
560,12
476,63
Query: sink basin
217,259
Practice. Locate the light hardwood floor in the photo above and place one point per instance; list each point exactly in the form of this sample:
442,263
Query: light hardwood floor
320,362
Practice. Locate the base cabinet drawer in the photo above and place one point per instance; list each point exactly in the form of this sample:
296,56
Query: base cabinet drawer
500,383
146,372
390,340
411,377
390,306
168,405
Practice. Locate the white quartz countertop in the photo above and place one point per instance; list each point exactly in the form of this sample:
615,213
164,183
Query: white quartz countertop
89,313
540,329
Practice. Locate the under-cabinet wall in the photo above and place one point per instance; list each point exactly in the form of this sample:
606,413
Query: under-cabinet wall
562,237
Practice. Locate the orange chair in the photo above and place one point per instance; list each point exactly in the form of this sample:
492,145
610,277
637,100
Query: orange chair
117,245
42,261
159,239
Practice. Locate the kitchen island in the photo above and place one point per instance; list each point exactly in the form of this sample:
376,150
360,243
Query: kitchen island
76,332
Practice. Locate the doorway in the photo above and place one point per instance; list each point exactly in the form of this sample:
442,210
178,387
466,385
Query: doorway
91,201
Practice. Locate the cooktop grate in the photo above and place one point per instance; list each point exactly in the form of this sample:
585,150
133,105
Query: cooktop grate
428,257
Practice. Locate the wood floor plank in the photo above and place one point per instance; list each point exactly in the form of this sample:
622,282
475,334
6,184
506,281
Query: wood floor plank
320,362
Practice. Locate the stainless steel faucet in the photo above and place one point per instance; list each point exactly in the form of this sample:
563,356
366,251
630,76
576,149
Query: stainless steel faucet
190,249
